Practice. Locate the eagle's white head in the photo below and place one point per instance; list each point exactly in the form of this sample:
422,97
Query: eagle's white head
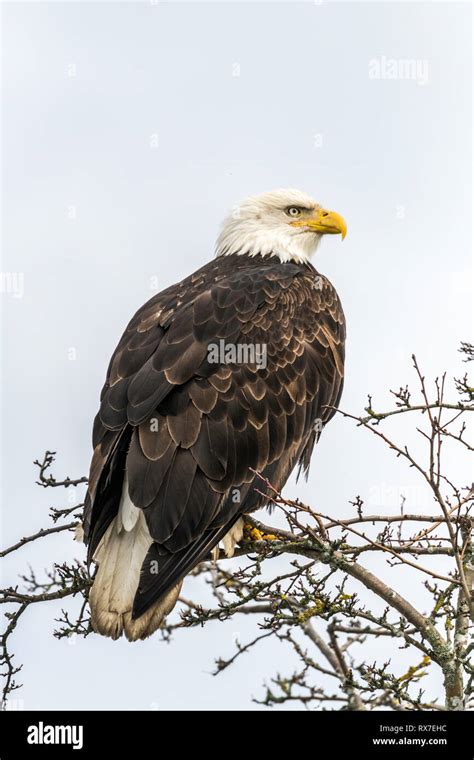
284,223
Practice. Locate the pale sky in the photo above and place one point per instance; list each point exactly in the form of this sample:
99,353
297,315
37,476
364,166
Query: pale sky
129,130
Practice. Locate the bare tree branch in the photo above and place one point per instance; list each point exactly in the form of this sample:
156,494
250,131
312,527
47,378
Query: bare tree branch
326,606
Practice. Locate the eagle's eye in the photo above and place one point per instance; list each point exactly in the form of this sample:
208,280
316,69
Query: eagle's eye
293,211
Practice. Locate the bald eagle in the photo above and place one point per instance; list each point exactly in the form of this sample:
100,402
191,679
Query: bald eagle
227,376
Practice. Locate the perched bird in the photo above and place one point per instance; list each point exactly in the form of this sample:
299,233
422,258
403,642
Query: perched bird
227,376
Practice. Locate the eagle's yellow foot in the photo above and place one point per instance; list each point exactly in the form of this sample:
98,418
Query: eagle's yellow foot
254,533
257,535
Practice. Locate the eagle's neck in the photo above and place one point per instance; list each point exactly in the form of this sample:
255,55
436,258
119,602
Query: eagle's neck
245,237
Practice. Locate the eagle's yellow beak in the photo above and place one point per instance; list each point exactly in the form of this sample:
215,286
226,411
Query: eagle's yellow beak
325,222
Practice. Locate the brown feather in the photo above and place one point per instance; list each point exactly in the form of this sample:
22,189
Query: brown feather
199,430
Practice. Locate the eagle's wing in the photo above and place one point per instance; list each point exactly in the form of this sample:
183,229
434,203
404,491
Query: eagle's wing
190,433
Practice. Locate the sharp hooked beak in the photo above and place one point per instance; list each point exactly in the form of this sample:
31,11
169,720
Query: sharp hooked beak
324,222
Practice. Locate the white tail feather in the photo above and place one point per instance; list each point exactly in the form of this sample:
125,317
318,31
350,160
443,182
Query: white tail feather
120,556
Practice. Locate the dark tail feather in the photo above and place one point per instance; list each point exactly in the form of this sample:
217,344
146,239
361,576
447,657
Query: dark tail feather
109,491
162,570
